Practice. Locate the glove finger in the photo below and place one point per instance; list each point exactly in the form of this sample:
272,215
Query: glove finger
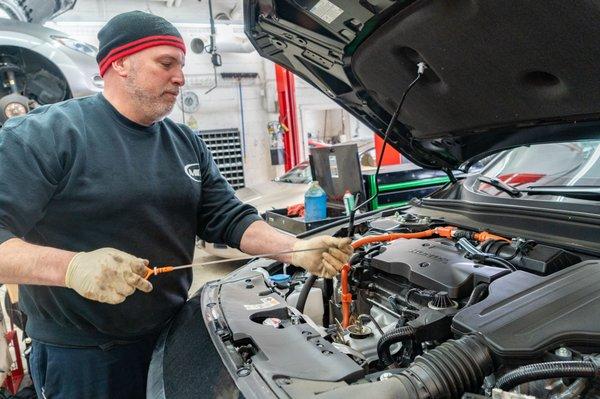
328,271
138,266
329,241
348,249
344,242
341,256
333,261
138,282
112,298
122,286
125,290
116,298
340,243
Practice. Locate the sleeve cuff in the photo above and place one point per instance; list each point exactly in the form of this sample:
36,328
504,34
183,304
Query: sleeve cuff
236,234
6,235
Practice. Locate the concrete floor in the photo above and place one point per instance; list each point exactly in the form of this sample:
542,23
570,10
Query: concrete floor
210,272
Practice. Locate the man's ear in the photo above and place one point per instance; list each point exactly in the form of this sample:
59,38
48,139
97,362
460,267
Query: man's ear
122,66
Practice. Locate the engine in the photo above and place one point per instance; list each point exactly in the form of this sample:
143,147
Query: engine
435,311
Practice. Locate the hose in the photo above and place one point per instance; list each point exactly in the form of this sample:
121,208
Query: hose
470,248
390,338
495,261
542,371
303,296
446,372
573,391
485,257
478,291
356,258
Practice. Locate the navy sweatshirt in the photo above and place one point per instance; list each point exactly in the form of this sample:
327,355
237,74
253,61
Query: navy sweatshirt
79,176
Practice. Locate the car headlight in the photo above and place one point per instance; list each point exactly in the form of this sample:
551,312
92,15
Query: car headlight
76,45
14,109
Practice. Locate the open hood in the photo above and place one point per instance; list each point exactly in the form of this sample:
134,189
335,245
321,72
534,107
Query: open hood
35,11
500,74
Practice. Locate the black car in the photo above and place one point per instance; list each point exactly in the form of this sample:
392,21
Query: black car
489,287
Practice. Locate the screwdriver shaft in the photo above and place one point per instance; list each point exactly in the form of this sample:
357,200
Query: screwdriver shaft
247,257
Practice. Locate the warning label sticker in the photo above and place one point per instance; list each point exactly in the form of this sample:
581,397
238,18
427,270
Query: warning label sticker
333,167
326,10
267,302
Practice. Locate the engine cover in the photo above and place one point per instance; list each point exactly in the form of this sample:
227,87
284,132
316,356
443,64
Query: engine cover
525,314
434,265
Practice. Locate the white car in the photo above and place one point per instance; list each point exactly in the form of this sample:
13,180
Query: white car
41,66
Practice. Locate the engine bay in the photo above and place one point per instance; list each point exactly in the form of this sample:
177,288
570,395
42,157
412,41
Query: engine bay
423,310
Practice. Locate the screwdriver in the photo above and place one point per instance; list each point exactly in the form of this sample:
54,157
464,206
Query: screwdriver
166,269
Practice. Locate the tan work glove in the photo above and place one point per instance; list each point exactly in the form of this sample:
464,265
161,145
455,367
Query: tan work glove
323,263
107,275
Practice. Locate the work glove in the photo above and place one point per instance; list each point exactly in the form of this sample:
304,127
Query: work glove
107,275
323,262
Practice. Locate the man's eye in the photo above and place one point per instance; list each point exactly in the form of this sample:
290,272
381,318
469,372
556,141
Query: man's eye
166,64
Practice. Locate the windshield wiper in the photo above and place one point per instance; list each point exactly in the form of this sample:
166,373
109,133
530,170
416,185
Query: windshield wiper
591,193
500,185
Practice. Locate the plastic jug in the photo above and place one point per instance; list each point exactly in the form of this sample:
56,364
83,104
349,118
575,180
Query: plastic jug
315,203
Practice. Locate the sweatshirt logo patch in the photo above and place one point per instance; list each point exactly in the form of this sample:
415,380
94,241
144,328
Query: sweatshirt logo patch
193,171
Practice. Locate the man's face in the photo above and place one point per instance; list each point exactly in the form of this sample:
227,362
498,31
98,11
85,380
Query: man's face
154,78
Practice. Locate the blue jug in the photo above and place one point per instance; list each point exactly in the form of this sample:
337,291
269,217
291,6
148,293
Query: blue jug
315,203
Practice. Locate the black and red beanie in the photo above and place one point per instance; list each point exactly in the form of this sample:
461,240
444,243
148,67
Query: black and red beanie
131,32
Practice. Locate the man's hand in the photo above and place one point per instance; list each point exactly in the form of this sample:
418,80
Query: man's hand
323,263
107,275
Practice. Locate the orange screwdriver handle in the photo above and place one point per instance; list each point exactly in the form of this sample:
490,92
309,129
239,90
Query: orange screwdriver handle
157,270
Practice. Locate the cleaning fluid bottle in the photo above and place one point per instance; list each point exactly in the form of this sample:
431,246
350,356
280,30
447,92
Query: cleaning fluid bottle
315,203
348,202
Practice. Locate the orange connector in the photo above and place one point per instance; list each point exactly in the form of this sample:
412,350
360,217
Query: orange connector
157,270
484,235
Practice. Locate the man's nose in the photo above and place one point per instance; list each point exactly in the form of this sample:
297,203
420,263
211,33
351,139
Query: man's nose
178,78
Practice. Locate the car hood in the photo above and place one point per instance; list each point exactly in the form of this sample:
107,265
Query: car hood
36,30
499,76
35,11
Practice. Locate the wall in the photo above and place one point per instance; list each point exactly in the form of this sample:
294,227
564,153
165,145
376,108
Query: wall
182,10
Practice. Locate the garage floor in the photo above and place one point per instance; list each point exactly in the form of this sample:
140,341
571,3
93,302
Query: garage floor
211,272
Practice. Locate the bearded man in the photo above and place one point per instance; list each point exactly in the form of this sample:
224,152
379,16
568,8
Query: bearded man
93,191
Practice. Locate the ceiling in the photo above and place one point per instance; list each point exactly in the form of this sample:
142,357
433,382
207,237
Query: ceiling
176,11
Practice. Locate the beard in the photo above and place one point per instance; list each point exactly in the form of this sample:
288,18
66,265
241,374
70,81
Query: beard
154,106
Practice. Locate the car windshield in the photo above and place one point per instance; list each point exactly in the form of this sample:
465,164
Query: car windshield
299,174
560,165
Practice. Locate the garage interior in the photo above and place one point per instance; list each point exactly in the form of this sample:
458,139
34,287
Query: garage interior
299,199
238,98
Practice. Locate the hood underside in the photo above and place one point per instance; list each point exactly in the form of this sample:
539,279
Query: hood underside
500,74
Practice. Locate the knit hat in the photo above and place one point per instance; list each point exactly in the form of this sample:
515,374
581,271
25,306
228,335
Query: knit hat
131,32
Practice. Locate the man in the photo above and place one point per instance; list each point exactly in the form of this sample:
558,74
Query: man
94,190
